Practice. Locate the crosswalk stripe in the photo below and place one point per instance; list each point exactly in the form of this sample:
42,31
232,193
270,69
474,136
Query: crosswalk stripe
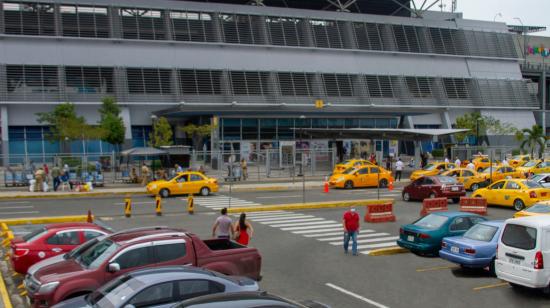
339,228
303,223
341,233
312,227
269,214
379,245
371,240
290,221
284,218
328,239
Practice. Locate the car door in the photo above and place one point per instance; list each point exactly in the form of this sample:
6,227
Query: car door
172,252
360,177
459,225
426,188
415,187
466,175
196,182
494,191
181,184
156,296
61,242
190,288
131,258
510,193
372,177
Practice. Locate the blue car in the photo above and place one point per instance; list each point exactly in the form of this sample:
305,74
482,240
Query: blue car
476,248
425,234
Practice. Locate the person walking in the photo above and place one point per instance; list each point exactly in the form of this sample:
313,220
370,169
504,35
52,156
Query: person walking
244,169
56,173
145,174
458,162
471,166
398,169
243,230
350,222
223,226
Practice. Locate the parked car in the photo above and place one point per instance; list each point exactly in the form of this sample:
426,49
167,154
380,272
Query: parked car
471,179
481,162
499,172
366,176
519,160
350,163
184,183
476,248
425,234
160,287
434,187
247,300
541,208
518,193
522,249
123,252
432,169
49,241
529,167
542,178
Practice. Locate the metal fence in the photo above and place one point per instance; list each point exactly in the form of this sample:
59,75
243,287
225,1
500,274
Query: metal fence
495,153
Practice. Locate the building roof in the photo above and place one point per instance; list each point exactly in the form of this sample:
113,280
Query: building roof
415,134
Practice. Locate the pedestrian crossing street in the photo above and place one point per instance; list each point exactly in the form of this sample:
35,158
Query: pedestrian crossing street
321,229
217,202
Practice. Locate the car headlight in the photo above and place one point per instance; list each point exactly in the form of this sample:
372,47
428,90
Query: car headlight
153,187
48,287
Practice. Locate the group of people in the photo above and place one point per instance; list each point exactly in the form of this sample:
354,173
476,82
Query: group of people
240,231
58,175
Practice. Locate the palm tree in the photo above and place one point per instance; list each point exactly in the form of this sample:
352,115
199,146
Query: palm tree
532,138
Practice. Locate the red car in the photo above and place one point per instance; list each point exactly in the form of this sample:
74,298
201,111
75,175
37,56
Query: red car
126,251
434,187
50,241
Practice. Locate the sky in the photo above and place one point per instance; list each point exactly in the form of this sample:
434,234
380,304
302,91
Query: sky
531,12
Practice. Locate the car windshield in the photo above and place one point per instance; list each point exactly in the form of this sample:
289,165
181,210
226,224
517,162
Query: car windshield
94,257
348,171
530,164
429,167
487,170
29,237
80,249
532,184
447,180
518,236
537,178
345,162
115,293
481,232
431,221
539,208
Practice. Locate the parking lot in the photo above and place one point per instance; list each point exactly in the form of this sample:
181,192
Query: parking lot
302,256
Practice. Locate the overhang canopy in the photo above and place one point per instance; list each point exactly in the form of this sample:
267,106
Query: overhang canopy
413,134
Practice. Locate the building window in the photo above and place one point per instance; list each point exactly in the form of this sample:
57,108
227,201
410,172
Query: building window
29,18
32,82
250,129
89,80
200,82
420,87
406,38
286,31
338,85
140,135
85,21
142,24
456,88
380,86
231,129
326,33
192,26
368,36
241,29
284,129
319,123
268,129
149,81
249,83
295,84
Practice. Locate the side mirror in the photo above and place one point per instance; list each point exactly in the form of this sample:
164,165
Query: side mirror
113,267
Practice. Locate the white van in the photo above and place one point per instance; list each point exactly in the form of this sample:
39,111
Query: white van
523,246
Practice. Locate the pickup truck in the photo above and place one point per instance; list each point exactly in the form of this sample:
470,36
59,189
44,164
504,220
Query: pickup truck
123,252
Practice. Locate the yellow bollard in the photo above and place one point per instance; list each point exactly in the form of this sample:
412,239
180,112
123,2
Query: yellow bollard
158,205
128,207
190,204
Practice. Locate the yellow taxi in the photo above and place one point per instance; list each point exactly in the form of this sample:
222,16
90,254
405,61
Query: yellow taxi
519,160
366,176
481,162
501,172
541,208
469,178
518,193
350,163
184,183
432,169
534,167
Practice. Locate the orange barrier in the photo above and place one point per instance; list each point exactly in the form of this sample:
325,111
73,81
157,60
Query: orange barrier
433,205
473,205
326,189
379,213
390,186
90,217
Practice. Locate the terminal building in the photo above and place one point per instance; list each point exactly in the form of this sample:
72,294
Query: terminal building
258,69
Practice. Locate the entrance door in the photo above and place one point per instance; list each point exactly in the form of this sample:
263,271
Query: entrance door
286,153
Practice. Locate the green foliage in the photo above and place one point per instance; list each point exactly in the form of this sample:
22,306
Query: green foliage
161,134
65,125
516,152
532,138
438,152
198,133
111,122
480,125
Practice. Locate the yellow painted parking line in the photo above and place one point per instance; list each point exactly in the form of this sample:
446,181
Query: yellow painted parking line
420,270
308,206
490,286
4,293
388,251
23,293
15,274
21,286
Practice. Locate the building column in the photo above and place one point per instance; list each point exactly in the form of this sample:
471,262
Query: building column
308,32
348,35
387,37
62,83
262,29
273,87
116,22
317,86
226,88
175,84
3,83
218,31
121,86
446,123
360,88
425,39
57,20
168,30
125,115
2,24
5,136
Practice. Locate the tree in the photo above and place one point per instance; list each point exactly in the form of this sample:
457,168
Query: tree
198,133
161,134
532,138
478,124
111,122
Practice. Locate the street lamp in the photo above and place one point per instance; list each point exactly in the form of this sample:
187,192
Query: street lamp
497,15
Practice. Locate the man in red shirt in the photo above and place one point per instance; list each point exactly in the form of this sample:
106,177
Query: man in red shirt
350,223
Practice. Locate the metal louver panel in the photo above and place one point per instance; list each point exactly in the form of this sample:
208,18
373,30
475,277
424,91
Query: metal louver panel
142,24
84,21
29,18
192,26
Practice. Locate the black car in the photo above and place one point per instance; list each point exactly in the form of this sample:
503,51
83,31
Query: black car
245,300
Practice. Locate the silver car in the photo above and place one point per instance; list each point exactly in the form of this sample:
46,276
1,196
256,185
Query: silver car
159,288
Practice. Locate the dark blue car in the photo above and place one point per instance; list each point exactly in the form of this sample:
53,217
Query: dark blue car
476,248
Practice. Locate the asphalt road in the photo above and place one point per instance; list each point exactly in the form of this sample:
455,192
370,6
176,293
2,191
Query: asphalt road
302,260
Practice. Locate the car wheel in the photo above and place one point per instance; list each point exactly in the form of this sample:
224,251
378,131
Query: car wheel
348,184
477,196
165,193
456,200
205,191
383,183
492,268
432,196
474,186
518,205
406,197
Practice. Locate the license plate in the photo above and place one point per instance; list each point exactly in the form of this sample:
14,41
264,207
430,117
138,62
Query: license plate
410,238
454,188
454,249
514,261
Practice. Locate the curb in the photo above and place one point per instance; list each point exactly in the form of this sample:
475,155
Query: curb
44,220
4,293
388,251
311,205
267,188
72,195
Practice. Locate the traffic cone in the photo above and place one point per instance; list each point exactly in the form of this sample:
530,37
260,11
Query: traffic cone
90,218
390,186
326,186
